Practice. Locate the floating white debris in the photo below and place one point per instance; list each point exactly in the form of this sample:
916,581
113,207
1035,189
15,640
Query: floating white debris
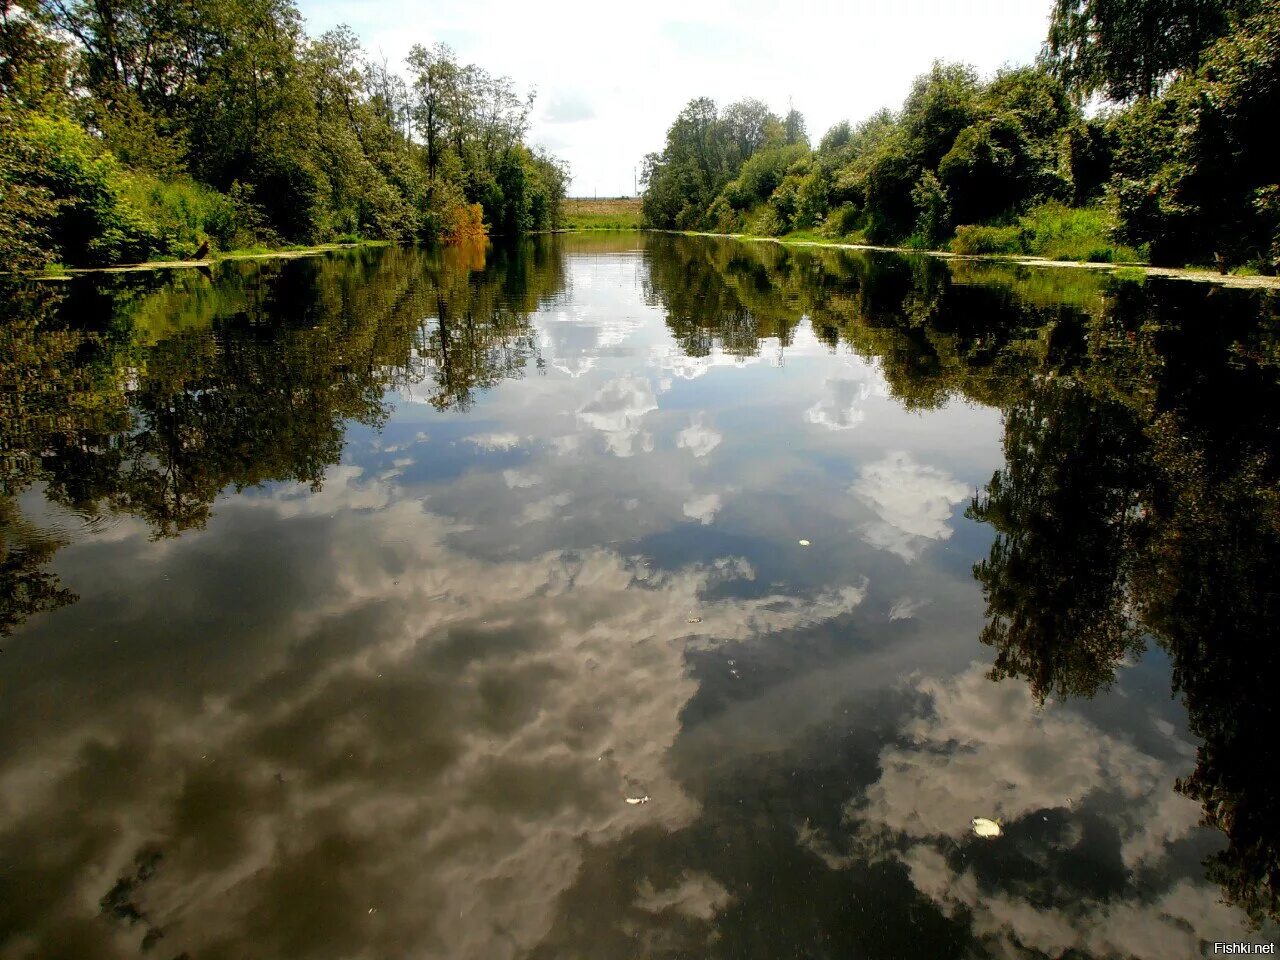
804,543
983,827
634,800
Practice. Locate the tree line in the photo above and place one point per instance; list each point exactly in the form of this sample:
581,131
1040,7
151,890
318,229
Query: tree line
1174,167
136,129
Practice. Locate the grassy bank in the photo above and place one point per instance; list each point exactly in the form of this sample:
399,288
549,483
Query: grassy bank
57,270
617,213
1236,278
1053,231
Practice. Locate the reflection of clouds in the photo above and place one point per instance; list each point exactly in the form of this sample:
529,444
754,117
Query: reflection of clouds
696,896
698,438
617,410
984,749
1173,924
545,509
676,363
703,508
519,479
904,608
913,501
410,761
842,404
573,342
494,441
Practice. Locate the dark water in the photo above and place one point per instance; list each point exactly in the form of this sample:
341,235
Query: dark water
347,600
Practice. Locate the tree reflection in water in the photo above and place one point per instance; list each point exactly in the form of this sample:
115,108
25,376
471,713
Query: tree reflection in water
1138,501
1141,492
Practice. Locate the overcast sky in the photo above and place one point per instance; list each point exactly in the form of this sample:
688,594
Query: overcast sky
611,77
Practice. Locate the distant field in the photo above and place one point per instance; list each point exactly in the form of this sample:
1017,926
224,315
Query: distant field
622,213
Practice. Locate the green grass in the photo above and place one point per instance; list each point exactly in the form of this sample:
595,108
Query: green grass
1053,231
807,236
615,214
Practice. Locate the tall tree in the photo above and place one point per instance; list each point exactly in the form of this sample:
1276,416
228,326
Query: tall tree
1127,49
436,78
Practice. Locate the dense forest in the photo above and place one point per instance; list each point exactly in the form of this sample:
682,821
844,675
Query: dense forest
1142,132
137,129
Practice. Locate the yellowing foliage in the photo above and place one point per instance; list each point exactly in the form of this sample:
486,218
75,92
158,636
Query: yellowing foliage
465,224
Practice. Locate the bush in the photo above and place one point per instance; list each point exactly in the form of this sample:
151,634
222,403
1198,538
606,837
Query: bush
974,239
1051,230
1059,232
843,221
988,169
466,224
765,222
762,174
934,207
181,214
88,221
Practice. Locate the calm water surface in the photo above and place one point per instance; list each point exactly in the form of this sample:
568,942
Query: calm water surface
347,601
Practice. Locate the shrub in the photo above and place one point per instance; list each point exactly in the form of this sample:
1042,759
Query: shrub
934,207
181,214
843,221
88,221
466,224
1051,230
974,239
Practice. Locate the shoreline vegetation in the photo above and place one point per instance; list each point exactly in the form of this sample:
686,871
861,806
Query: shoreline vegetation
134,131
157,132
1201,274
1171,166
1194,274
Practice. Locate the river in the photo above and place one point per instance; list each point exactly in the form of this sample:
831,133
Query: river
631,595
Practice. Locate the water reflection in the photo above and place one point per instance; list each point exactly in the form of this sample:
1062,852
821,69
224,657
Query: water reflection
348,599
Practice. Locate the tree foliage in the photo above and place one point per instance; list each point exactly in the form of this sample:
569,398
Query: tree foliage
1179,172
138,128
1127,49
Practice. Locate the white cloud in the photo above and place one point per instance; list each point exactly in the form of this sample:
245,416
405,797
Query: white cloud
568,108
904,608
985,749
982,749
703,508
843,404
913,502
678,364
421,747
696,896
494,441
520,479
698,438
617,410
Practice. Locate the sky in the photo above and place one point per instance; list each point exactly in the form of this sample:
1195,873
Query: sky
610,78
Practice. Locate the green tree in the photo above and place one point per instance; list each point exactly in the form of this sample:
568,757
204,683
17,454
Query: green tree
1193,175
1128,49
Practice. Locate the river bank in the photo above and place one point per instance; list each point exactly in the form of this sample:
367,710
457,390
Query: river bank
1255,281
1181,273
285,253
